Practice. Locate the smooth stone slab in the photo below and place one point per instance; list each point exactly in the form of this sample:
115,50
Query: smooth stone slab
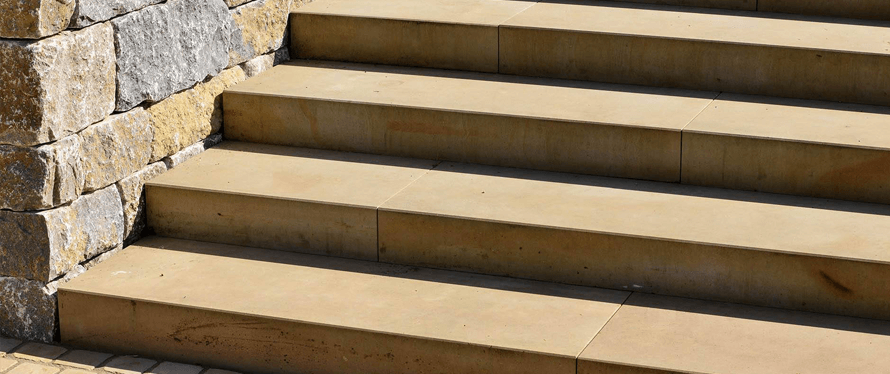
674,335
790,146
448,34
281,198
799,57
381,318
532,123
808,254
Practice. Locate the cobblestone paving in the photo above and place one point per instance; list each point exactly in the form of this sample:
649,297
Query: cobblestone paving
17,357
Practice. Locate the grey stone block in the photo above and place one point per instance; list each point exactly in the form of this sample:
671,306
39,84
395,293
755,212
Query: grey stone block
89,12
169,47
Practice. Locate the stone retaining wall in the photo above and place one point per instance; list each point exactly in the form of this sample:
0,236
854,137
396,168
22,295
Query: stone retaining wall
96,98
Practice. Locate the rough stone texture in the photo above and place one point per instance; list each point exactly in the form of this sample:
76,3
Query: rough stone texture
262,25
166,48
27,309
45,245
133,199
193,150
55,87
234,3
89,12
189,116
42,177
265,62
115,148
33,19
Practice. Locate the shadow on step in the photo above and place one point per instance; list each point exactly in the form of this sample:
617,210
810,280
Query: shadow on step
509,79
774,315
389,270
727,12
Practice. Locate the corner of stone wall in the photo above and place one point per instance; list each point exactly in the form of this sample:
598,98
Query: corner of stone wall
89,112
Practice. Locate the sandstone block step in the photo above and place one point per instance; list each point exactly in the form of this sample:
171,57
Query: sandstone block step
449,34
274,197
719,50
782,251
534,123
256,310
790,146
659,334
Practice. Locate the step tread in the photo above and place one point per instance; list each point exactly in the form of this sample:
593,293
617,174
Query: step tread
468,12
369,296
735,219
540,98
712,337
847,125
738,27
348,179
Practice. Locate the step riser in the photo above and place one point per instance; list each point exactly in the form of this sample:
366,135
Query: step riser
750,5
253,344
583,148
868,9
395,42
785,167
637,264
288,225
759,70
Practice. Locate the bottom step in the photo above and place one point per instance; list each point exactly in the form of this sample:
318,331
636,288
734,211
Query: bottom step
257,310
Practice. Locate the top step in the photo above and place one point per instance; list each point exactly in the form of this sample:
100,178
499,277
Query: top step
654,45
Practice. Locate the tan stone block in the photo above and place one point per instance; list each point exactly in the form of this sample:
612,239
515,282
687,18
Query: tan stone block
263,26
44,245
39,352
55,87
76,371
6,363
133,198
129,365
32,19
265,62
87,360
42,177
30,368
115,148
187,117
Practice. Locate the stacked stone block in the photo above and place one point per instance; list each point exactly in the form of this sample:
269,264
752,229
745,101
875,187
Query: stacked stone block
96,98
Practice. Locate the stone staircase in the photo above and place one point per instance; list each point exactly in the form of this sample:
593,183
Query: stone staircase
471,186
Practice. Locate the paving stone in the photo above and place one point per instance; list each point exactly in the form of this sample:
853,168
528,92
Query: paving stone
39,352
262,25
27,309
129,365
32,19
175,368
47,244
31,368
190,116
6,363
133,198
81,359
196,35
76,371
55,87
42,177
7,345
89,12
115,148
